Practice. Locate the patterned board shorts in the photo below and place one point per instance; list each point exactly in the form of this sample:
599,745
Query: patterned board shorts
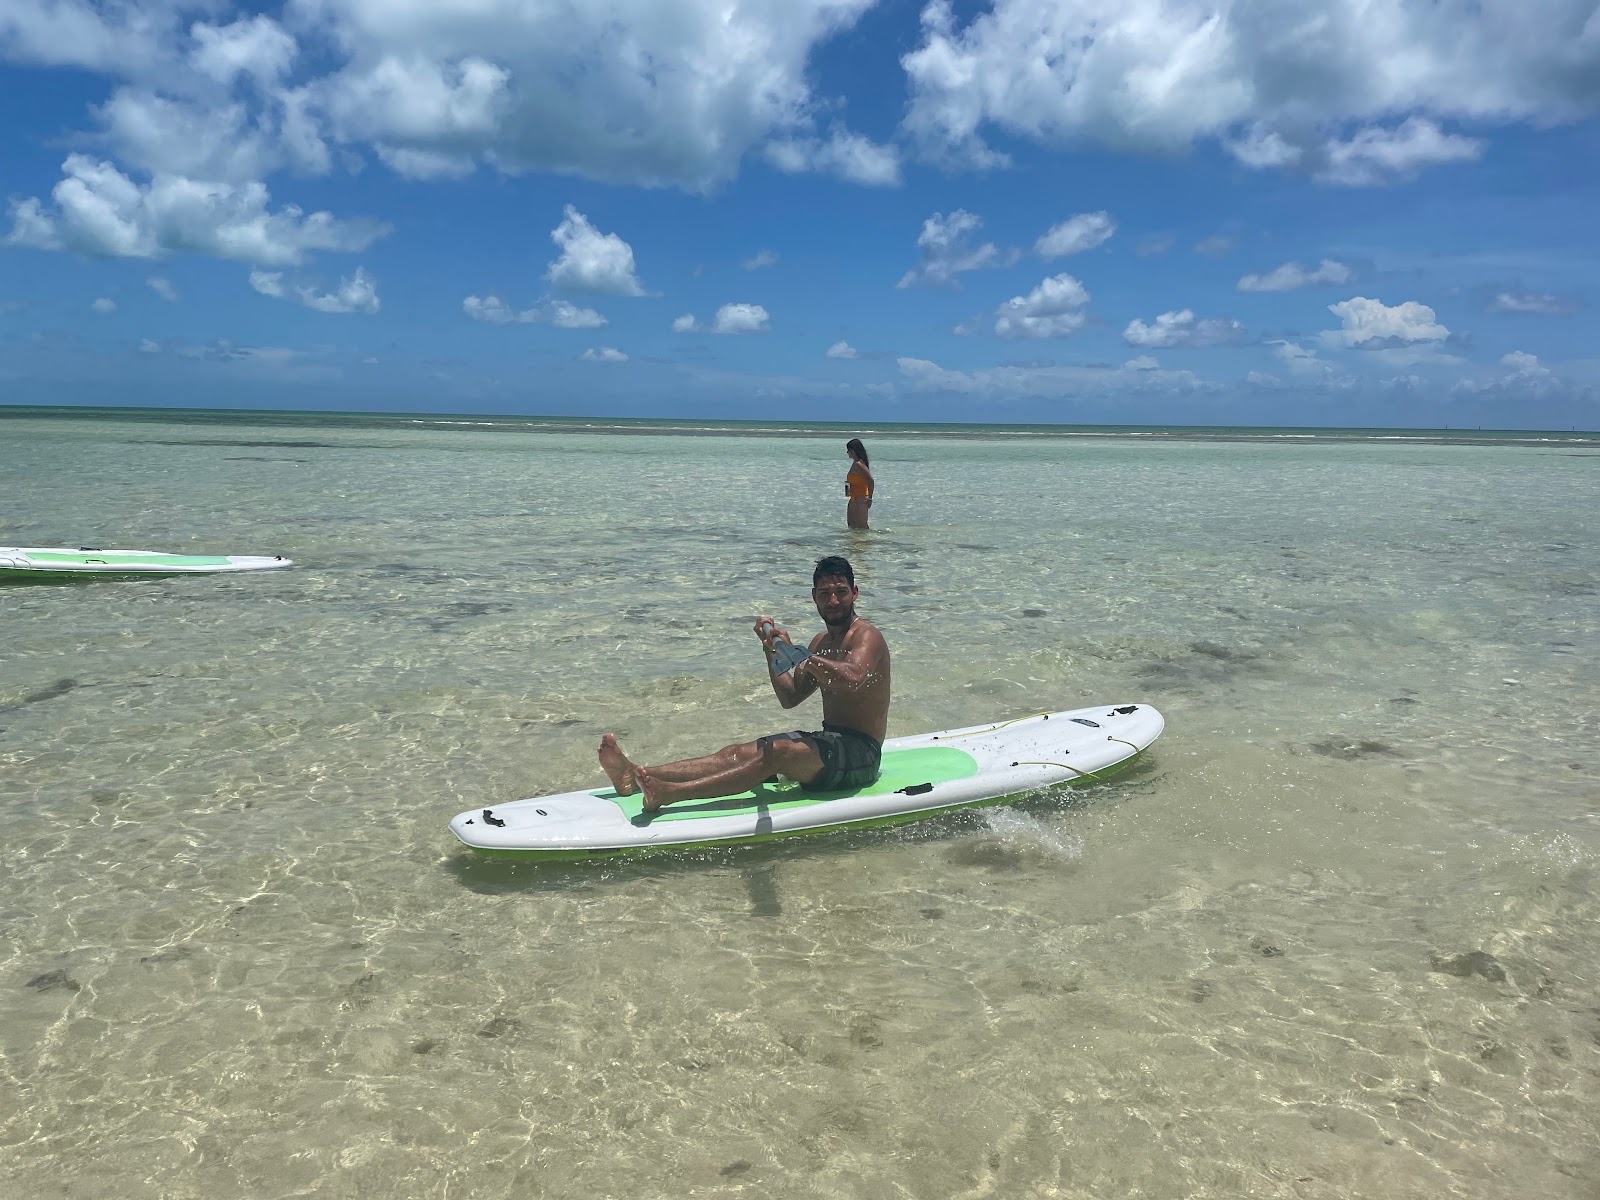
850,758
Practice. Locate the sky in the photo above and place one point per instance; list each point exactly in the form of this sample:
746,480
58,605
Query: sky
1194,212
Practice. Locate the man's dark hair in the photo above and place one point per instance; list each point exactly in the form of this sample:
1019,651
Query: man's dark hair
833,567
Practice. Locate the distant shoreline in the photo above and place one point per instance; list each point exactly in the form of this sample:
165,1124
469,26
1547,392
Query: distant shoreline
679,426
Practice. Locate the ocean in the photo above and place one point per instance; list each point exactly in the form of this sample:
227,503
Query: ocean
1337,935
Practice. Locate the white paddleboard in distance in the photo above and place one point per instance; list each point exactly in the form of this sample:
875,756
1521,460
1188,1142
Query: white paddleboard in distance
921,775
89,560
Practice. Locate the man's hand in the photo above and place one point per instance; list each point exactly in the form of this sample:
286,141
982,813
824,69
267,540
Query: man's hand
767,630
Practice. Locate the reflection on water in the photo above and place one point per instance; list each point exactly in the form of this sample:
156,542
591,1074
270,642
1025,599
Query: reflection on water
1335,937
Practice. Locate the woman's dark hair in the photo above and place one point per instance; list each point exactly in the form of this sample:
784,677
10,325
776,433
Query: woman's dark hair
833,567
858,450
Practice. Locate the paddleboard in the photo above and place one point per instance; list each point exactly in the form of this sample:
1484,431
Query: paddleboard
87,560
921,775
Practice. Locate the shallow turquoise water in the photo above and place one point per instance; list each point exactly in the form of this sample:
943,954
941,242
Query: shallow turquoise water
240,954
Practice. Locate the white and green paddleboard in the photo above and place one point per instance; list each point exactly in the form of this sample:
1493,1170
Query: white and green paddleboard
18,561
922,775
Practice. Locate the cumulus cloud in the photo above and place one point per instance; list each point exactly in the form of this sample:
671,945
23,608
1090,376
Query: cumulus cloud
1299,359
1291,276
730,318
1525,376
104,306
1372,325
843,350
1376,156
1215,246
1075,235
1183,328
592,261
356,294
1282,83
1055,308
163,287
1142,363
762,258
845,155
1542,304
608,354
643,92
254,46
102,213
492,310
945,245
741,318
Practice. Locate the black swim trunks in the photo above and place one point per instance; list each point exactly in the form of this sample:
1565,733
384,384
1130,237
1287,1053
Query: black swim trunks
850,758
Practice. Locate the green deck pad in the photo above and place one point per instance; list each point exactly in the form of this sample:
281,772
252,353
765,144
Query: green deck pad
901,768
134,560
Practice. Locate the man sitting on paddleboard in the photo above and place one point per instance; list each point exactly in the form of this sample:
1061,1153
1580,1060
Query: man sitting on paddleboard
849,662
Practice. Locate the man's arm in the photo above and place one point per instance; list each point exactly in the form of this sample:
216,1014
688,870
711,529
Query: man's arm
854,669
791,687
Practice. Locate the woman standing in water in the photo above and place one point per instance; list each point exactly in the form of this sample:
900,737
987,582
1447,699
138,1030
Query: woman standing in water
857,485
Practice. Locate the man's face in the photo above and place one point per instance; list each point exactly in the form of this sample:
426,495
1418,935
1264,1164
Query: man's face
835,598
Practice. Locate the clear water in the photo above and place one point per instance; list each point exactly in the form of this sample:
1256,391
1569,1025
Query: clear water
240,954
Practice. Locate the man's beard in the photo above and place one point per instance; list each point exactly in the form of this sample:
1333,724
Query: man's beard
843,620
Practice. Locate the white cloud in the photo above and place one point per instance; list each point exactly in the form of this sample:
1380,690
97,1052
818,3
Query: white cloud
762,258
1183,328
946,251
356,294
146,346
74,33
609,354
163,288
492,310
256,46
1371,324
1525,376
730,318
641,92
424,164
1215,246
1376,156
1143,363
848,156
1292,276
1543,304
1075,235
1521,363
102,213
1277,81
1299,359
1055,308
104,306
741,318
843,350
592,261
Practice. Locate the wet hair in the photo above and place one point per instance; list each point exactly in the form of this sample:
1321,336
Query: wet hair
857,450
833,567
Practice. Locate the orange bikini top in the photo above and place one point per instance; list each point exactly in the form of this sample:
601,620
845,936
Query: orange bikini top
857,487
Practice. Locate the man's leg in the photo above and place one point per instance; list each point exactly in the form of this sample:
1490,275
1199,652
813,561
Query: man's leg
623,772
731,770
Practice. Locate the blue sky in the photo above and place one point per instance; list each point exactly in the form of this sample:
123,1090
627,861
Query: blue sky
1324,212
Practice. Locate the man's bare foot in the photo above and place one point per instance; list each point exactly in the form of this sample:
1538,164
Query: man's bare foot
623,774
656,791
